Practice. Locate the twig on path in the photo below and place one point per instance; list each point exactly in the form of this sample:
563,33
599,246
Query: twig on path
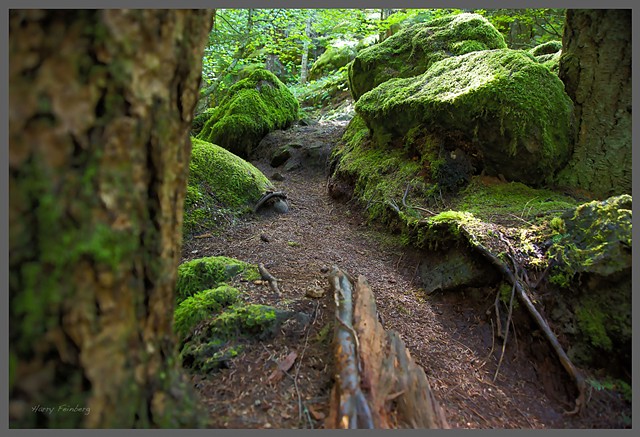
506,332
273,282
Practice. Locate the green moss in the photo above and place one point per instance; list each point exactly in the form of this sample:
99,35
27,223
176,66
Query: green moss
239,320
591,321
217,343
210,356
219,182
490,201
207,273
321,92
598,238
381,175
202,305
199,120
502,102
252,107
414,49
547,48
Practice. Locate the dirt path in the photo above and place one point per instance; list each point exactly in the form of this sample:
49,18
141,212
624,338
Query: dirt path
449,335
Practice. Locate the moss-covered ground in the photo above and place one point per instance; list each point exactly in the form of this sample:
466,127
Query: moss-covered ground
539,228
211,319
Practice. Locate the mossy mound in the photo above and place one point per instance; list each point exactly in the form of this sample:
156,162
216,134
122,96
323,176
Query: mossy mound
332,59
252,107
219,182
209,272
500,105
201,306
413,50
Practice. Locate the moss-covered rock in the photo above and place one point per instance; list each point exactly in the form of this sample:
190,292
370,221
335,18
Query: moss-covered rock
593,255
336,56
199,120
413,50
209,272
252,107
597,238
500,105
219,182
548,54
201,306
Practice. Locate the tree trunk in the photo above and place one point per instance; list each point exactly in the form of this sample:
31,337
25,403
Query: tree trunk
596,70
304,67
101,104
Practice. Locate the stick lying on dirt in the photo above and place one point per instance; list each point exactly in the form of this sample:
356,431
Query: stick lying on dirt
379,385
273,282
521,292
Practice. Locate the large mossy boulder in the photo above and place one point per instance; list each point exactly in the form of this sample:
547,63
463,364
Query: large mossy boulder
219,182
414,49
332,59
500,105
253,107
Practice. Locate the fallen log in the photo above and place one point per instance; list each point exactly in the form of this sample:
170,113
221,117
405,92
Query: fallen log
378,384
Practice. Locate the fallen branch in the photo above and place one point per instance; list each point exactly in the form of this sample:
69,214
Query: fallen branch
265,275
267,196
575,374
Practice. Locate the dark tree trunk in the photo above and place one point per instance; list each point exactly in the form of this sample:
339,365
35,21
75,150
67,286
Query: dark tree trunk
100,108
596,70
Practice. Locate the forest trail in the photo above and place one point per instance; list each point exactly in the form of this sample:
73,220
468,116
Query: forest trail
447,334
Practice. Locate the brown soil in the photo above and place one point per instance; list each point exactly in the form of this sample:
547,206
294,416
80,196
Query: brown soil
450,335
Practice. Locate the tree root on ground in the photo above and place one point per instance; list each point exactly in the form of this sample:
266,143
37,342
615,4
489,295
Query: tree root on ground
521,292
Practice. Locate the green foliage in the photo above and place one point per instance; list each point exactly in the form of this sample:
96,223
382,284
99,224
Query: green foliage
611,384
201,306
538,24
209,272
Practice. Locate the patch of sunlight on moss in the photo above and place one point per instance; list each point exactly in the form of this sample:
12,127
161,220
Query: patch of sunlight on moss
488,200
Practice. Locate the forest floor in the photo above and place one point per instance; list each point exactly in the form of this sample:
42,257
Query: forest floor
448,334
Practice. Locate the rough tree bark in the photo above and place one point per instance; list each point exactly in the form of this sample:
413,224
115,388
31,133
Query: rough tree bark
596,70
100,106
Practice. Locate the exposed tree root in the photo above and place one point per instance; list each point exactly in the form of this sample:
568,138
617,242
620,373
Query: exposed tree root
267,196
521,292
